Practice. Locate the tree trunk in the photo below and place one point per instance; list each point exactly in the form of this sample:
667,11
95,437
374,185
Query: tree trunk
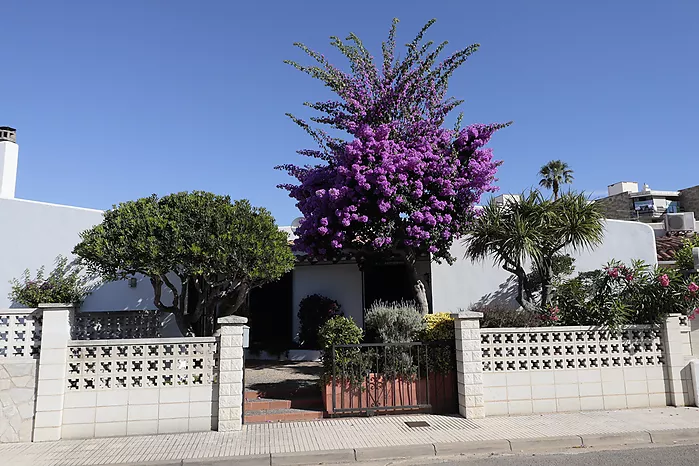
546,275
419,290
180,318
524,298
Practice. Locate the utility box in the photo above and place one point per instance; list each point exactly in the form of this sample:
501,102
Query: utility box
246,336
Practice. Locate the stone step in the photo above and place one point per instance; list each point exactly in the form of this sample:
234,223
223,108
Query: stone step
281,415
259,404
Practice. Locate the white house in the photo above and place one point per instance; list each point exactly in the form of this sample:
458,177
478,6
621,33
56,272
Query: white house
33,233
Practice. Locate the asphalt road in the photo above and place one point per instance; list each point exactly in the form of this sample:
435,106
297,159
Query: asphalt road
674,456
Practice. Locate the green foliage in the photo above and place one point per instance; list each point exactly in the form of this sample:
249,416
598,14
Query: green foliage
684,258
65,284
217,249
536,229
314,311
438,327
620,295
398,322
339,331
554,174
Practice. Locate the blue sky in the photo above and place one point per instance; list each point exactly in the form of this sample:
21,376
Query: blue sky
118,100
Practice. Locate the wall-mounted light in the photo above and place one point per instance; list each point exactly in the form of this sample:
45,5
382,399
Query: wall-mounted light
133,282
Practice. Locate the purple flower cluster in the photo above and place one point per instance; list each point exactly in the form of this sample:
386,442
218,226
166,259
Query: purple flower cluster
403,180
380,192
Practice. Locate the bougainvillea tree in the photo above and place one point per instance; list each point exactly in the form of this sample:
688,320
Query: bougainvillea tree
401,183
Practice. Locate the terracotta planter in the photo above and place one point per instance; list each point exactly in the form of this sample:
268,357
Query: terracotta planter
378,394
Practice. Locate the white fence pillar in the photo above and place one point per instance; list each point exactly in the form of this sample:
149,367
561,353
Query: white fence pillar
230,377
469,368
675,360
51,382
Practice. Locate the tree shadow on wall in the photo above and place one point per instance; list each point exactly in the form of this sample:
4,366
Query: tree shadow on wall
505,297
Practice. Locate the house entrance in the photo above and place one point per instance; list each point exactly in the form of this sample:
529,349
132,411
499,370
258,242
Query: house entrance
387,282
271,313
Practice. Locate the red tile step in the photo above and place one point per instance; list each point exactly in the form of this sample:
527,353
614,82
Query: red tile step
260,404
281,415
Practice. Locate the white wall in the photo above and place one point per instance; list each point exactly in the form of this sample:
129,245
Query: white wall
341,282
467,283
33,233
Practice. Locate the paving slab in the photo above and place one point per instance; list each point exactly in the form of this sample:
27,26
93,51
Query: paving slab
373,438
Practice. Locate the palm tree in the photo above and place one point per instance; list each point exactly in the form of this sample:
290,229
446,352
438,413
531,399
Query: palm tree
534,229
554,174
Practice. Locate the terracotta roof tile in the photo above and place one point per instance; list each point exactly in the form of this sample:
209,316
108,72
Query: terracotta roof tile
667,246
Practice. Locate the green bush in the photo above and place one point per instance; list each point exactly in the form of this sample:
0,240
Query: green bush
621,295
398,322
684,259
500,316
314,311
438,327
339,331
65,284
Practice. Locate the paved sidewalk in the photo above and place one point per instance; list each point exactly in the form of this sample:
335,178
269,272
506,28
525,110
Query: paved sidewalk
354,436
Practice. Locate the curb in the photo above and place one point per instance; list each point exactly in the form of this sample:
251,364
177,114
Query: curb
614,440
542,444
478,447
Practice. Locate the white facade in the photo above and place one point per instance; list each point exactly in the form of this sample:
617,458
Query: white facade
9,153
34,233
341,282
622,187
467,283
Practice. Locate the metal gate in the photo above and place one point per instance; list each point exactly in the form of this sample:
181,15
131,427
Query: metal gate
382,378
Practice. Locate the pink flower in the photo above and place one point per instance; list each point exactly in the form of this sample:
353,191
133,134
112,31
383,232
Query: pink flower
693,287
664,280
613,272
629,277
692,316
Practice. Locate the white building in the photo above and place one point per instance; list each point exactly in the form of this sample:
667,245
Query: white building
33,233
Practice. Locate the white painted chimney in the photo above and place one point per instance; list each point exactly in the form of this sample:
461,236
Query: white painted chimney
9,153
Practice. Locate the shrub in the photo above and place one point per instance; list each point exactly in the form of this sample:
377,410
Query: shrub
398,322
684,259
314,311
338,331
439,326
619,295
65,284
500,316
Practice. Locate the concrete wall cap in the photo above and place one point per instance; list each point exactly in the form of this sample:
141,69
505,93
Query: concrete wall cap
232,320
56,306
467,315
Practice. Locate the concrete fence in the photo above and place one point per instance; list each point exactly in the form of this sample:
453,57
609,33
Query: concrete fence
54,387
508,371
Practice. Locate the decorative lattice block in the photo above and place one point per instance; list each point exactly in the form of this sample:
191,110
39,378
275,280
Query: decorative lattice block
20,335
115,325
561,348
162,363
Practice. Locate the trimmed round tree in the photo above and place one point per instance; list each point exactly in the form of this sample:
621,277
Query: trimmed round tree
207,251
402,183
